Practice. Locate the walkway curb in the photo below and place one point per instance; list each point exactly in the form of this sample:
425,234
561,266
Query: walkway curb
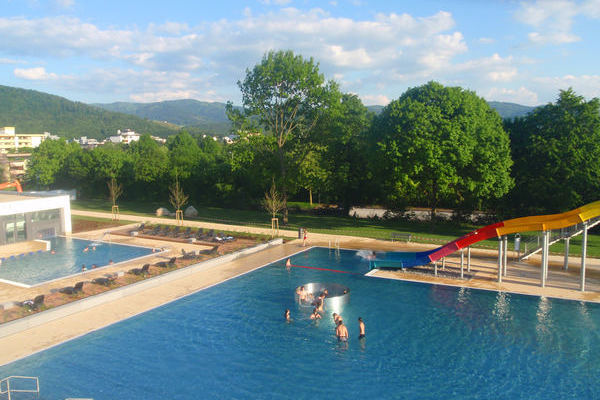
22,324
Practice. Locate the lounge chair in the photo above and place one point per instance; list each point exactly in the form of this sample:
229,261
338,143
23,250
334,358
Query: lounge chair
104,281
189,255
174,232
188,233
172,261
140,271
155,231
214,250
35,303
72,289
200,234
161,264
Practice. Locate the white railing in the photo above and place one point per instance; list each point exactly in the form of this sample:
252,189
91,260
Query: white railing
12,384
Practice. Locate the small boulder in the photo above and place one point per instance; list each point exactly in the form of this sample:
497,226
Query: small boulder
162,212
190,212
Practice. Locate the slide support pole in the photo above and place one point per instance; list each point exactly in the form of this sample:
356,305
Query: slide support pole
469,259
462,263
435,268
505,256
500,260
544,258
583,254
566,262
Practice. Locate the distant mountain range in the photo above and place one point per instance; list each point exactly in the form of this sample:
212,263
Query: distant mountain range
31,111
202,115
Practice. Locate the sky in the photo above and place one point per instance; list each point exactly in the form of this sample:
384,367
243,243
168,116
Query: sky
145,50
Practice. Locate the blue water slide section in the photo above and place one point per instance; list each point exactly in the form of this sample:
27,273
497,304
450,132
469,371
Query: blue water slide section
401,259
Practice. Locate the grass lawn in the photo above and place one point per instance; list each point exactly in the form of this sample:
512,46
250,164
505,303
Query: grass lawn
424,232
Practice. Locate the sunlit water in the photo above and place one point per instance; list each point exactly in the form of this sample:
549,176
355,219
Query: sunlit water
67,258
423,342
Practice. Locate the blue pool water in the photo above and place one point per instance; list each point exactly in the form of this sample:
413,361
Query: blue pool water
423,342
68,258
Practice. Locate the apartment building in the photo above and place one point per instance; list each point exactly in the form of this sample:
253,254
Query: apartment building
11,142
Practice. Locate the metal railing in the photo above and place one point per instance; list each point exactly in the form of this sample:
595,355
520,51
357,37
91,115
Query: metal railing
533,244
13,384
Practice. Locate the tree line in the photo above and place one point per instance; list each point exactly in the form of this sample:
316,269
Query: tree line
434,146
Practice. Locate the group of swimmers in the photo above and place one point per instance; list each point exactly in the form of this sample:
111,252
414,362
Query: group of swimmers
341,332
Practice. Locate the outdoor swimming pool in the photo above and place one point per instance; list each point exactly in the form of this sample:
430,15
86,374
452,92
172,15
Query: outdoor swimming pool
423,342
69,256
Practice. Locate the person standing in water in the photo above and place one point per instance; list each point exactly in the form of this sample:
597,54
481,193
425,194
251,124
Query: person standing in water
361,328
315,314
341,332
286,315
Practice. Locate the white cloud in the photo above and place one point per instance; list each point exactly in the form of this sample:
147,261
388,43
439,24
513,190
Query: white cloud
10,61
587,86
65,3
34,74
521,95
494,68
553,19
375,99
486,40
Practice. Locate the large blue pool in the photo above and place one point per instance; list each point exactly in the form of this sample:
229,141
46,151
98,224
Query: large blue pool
423,342
67,257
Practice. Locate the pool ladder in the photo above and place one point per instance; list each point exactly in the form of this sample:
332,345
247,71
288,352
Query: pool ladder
335,247
9,386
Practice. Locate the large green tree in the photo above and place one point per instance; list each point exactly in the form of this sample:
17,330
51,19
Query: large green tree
48,161
442,146
287,93
556,149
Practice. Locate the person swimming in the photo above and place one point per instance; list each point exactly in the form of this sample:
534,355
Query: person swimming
86,249
315,314
288,264
286,315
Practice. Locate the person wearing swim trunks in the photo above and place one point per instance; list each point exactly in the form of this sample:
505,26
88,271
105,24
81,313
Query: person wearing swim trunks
361,328
341,332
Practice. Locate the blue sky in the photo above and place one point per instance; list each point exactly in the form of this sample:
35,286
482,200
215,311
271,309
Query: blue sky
105,51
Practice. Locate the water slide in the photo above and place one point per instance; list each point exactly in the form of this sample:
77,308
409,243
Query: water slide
523,224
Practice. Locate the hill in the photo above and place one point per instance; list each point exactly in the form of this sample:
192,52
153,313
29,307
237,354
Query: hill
31,111
510,110
202,115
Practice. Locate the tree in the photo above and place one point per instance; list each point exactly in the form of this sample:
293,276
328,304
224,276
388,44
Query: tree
177,198
556,149
47,161
150,161
273,201
287,94
115,190
184,154
442,145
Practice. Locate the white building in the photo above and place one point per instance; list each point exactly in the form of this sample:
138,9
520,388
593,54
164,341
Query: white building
24,217
11,141
128,136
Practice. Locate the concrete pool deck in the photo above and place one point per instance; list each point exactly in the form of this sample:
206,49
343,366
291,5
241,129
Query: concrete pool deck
522,278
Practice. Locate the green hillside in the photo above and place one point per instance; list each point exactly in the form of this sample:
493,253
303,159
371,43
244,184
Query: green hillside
30,111
510,110
202,115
